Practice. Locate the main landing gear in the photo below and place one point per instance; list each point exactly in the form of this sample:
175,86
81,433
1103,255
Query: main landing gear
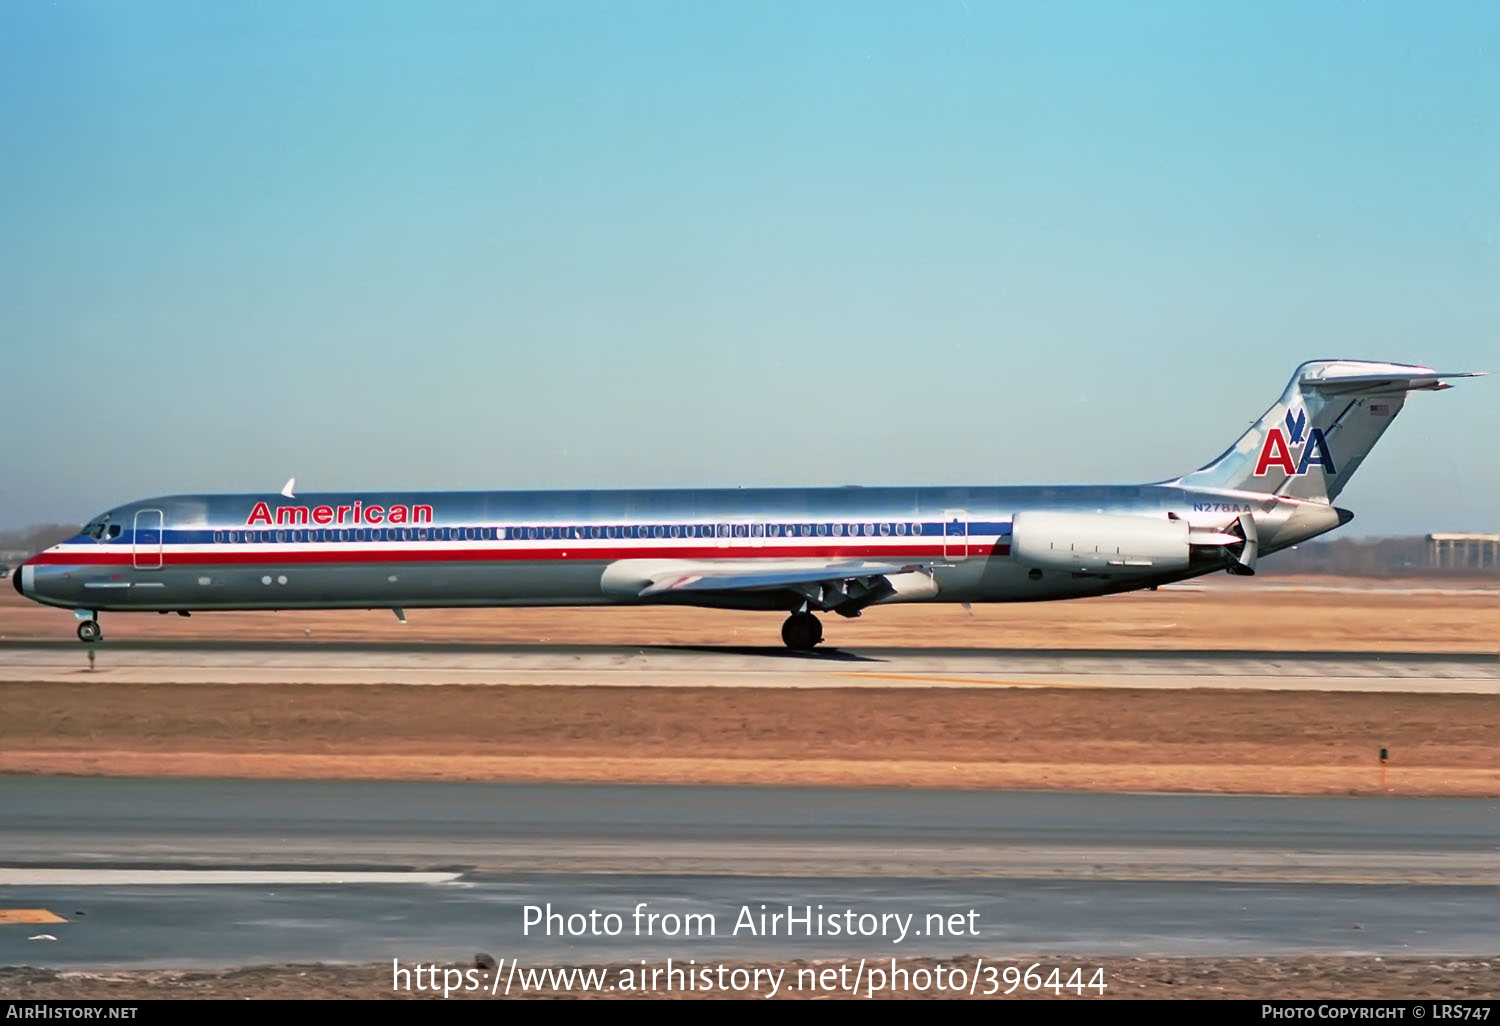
802,632
88,631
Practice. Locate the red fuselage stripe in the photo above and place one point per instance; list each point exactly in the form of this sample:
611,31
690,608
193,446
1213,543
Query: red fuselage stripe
231,555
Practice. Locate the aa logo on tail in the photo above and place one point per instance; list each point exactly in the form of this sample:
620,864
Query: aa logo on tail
1278,450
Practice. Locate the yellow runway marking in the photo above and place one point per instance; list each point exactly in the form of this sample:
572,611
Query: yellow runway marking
29,915
962,680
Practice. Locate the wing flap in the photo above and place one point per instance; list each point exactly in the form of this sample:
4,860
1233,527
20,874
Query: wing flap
709,577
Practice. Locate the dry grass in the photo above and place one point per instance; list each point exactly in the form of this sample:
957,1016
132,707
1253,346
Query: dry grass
1245,741
1243,614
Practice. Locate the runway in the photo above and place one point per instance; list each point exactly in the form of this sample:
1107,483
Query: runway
1044,872
419,663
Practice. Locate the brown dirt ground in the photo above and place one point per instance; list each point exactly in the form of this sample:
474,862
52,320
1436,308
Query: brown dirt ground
1289,742
1105,739
1265,979
1244,614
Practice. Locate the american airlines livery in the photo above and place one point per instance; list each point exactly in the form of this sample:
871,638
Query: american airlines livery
798,551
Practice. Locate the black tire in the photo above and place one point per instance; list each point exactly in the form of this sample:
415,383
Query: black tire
89,632
802,632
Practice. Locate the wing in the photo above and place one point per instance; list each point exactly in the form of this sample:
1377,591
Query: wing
845,586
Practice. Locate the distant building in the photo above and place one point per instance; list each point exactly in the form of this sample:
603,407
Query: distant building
1463,551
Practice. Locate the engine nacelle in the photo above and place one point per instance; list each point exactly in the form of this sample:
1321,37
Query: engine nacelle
1099,542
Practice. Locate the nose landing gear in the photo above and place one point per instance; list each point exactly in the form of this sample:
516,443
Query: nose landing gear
802,632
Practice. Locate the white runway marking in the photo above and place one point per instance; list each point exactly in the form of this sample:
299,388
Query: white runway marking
15,877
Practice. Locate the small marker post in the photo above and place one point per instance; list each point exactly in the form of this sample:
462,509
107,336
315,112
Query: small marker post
1384,757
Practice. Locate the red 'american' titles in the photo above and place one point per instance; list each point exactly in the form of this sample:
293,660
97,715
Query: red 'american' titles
355,513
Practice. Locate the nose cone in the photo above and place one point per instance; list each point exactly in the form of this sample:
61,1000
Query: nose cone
15,578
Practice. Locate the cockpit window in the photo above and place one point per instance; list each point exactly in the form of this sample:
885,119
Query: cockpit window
95,528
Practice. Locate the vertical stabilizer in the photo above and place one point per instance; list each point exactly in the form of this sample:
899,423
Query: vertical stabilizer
1310,443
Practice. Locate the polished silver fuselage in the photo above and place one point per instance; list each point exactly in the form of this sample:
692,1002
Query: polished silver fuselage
526,548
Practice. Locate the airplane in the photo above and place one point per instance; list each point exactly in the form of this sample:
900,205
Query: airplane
797,551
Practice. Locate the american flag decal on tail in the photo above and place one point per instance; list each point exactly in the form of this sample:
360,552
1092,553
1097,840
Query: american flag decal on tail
1380,410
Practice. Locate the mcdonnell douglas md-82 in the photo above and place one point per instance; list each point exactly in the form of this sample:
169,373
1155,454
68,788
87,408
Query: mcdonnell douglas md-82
797,551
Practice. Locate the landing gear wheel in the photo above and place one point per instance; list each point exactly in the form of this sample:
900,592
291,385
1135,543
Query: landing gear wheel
89,631
802,632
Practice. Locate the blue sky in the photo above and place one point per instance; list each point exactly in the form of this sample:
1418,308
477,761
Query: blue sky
490,245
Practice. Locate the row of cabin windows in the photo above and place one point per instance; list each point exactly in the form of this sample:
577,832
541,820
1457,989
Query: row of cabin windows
381,534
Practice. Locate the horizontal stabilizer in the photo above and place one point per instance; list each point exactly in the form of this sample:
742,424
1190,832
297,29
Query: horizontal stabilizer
1396,379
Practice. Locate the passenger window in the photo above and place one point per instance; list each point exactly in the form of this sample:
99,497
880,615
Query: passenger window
900,528
885,528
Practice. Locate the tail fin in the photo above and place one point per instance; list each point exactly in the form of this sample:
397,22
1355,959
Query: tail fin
1312,441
